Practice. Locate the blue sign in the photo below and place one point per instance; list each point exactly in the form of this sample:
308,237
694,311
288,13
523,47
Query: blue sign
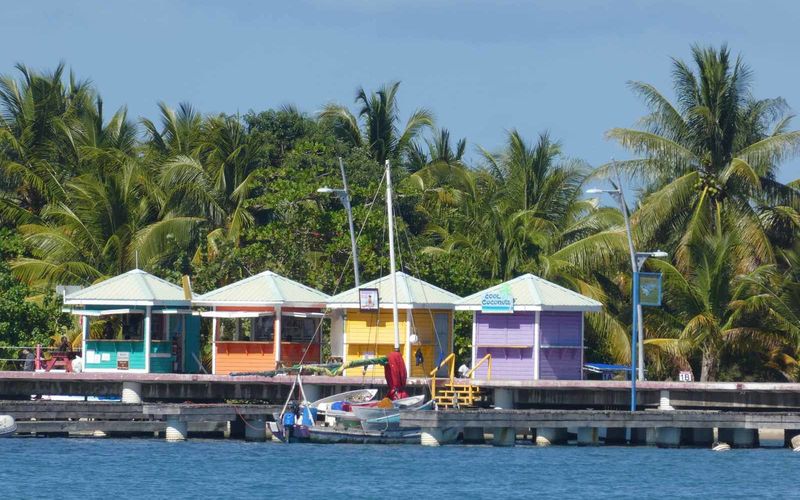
499,301
650,289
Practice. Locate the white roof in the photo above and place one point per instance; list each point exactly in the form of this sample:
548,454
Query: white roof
264,289
135,288
532,293
411,293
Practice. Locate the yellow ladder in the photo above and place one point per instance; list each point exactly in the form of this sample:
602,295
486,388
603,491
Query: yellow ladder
459,395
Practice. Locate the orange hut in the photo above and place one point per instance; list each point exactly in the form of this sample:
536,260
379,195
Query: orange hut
262,322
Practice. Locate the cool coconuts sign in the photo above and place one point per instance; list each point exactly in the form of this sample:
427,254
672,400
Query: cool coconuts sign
498,301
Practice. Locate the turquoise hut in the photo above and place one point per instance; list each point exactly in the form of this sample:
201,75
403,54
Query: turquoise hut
136,322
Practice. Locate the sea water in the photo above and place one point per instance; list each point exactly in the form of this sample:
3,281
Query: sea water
131,468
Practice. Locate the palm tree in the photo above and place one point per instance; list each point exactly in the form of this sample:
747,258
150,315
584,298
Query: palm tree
33,112
439,150
105,225
709,307
216,182
715,152
379,114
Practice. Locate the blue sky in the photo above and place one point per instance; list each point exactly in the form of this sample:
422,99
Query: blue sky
481,67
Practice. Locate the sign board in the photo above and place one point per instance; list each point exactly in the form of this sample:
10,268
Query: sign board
650,289
498,301
123,360
368,299
685,376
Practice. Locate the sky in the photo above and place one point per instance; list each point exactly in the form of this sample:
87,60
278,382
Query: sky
483,68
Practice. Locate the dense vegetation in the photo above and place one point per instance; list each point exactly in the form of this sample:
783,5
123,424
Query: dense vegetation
85,196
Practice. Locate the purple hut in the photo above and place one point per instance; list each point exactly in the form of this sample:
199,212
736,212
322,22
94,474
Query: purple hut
532,328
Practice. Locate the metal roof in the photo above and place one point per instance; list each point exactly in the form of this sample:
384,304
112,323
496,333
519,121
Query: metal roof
532,293
411,293
264,289
135,287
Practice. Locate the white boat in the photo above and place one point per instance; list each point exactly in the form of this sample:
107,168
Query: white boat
369,412
357,396
7,425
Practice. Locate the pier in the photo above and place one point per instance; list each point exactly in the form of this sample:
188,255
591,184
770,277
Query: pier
179,406
542,394
663,428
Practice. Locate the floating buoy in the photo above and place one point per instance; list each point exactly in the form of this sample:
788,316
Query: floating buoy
721,447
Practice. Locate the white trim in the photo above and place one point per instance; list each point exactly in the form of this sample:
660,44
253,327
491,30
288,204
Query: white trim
104,312
214,346
537,344
583,347
259,303
148,338
85,320
407,350
106,302
345,347
383,306
303,314
522,308
234,314
474,339
173,311
277,335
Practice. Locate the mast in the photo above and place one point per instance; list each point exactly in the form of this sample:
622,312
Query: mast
392,264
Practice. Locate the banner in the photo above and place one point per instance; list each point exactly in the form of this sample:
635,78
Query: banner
650,289
499,301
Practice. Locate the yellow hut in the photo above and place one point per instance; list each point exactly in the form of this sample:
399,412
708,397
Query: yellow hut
362,325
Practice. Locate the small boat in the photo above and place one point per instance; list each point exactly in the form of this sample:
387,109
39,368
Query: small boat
360,436
718,446
390,421
8,426
370,412
352,397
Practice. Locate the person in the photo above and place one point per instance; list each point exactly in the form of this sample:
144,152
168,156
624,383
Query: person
30,360
65,345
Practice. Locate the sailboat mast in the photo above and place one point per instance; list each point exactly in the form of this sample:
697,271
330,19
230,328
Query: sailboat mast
392,263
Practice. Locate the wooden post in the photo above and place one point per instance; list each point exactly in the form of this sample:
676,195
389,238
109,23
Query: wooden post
409,321
213,344
148,334
277,335
537,341
474,337
85,336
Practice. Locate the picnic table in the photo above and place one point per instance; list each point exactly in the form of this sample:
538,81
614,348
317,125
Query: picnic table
60,360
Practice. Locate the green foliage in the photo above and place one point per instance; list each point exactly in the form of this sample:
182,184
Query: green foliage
84,196
26,318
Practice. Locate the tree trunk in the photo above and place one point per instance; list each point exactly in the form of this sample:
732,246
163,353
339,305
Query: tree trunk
710,366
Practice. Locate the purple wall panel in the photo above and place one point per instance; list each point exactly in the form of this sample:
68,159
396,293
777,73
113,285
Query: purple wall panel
507,364
557,329
560,364
560,329
504,329
520,328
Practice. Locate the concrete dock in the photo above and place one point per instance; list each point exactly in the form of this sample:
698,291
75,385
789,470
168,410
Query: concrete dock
544,394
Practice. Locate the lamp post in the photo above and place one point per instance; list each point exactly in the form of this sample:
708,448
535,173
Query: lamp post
345,199
637,261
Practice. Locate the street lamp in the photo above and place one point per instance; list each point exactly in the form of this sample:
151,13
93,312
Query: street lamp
637,261
345,199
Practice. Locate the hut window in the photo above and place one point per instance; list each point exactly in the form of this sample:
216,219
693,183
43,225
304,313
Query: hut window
294,329
263,328
133,327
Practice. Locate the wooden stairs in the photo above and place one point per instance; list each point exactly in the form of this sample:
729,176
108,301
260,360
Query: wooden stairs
452,395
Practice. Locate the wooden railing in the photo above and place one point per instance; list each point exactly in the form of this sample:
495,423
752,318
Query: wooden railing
451,359
486,359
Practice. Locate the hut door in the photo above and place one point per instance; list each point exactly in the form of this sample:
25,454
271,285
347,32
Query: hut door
441,323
